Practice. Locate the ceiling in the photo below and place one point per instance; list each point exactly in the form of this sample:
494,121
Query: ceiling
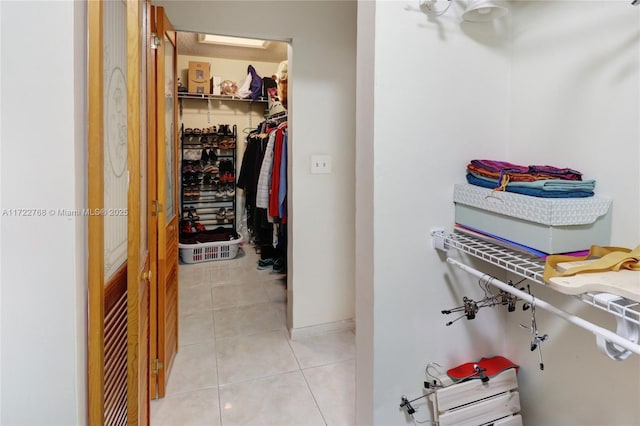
188,44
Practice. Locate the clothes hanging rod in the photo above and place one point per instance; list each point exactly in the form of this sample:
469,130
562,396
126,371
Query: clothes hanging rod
575,320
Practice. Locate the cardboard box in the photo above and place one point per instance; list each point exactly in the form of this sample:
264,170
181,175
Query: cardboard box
550,225
199,75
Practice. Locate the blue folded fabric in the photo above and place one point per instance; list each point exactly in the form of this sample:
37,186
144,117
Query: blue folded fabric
546,184
534,192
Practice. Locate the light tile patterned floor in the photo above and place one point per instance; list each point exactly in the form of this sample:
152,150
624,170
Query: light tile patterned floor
236,364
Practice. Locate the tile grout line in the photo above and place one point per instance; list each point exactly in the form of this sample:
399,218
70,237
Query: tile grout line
315,401
215,343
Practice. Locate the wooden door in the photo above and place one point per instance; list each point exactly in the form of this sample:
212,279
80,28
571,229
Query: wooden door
165,218
117,275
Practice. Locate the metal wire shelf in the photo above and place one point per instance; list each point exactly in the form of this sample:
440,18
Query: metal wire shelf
531,267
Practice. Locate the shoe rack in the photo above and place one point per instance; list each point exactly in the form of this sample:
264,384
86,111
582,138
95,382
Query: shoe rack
208,175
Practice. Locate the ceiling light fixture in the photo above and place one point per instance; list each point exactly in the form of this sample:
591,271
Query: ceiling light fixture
232,41
484,11
476,11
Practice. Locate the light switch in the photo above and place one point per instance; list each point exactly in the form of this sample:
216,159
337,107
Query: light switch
320,164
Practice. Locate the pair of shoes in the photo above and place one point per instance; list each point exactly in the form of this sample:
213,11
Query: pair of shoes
213,169
224,130
191,213
221,214
192,194
187,227
227,144
265,263
227,178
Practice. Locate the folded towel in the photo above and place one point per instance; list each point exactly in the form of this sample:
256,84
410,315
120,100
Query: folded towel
547,184
503,166
534,192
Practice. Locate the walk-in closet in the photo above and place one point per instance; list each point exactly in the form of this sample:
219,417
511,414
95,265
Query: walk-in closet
388,104
235,347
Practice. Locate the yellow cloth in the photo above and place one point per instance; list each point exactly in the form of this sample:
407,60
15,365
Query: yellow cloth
606,259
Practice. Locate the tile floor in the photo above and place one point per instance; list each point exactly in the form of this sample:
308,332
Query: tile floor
236,364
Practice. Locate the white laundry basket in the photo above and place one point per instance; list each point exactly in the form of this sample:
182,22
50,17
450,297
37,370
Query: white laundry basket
205,252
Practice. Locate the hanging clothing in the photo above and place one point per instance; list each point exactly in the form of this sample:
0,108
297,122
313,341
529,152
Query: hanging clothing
274,210
282,191
264,179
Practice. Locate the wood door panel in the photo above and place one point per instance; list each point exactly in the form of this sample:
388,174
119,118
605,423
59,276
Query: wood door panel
115,349
117,393
166,194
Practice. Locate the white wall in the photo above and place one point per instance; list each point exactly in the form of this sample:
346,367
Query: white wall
430,117
43,294
556,83
575,85
322,105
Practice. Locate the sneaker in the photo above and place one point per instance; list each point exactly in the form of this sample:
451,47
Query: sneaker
278,266
230,191
265,263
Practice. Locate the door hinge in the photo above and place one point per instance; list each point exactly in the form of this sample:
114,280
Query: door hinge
156,366
155,41
157,207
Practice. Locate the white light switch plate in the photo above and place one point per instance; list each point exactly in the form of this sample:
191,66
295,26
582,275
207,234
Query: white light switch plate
320,164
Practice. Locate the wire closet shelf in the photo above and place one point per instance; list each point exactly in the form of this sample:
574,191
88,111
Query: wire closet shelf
531,267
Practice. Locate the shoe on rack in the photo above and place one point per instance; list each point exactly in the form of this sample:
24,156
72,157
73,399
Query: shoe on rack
230,191
229,215
194,213
221,213
219,193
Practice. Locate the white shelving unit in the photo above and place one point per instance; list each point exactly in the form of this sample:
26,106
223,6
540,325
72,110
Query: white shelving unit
617,345
187,95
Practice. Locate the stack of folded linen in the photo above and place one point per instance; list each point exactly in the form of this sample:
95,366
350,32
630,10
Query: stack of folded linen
536,180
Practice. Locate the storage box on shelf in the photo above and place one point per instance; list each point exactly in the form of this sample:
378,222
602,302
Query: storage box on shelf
550,225
199,77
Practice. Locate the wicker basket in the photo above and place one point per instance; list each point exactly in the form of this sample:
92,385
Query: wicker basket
206,252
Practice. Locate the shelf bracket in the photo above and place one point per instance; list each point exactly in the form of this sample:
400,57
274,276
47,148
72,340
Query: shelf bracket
624,328
439,239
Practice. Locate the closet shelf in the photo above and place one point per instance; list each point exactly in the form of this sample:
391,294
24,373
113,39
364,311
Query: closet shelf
626,312
185,95
531,267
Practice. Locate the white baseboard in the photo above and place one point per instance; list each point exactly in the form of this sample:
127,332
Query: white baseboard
314,330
